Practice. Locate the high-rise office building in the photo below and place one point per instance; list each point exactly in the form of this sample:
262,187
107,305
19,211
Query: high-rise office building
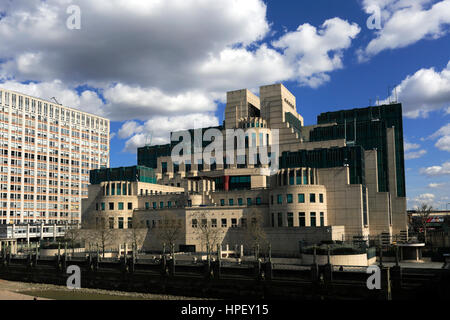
46,152
340,179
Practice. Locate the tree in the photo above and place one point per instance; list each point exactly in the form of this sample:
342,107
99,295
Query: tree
208,232
169,229
72,235
255,234
98,232
423,212
136,233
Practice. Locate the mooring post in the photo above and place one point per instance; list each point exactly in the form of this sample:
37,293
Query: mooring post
218,265
314,266
328,267
58,257
172,262
386,291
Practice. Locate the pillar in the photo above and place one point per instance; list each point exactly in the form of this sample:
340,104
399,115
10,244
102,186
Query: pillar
226,183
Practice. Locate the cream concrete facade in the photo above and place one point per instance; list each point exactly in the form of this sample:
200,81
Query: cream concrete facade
323,190
46,151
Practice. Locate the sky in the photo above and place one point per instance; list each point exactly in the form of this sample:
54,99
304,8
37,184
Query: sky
156,66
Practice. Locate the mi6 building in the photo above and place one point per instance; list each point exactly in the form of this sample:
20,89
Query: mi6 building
341,179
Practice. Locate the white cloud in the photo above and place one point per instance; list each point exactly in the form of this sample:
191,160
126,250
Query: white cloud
160,58
443,169
443,134
415,154
128,129
313,53
436,185
411,146
425,91
87,101
157,130
409,154
406,22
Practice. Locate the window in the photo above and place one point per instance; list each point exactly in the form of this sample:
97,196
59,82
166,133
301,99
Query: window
312,197
280,219
273,220
213,223
169,204
224,223
243,223
194,223
161,204
121,205
258,200
233,223
96,206
111,206
130,222
240,202
111,222
290,219
322,219
154,205
313,219
280,199
301,219
222,202
130,206
103,206
120,223
147,205
289,198
249,201
204,222
231,202
271,199
301,198
321,198
164,167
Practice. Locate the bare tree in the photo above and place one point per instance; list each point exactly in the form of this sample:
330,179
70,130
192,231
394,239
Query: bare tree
254,233
98,232
73,235
136,234
424,211
208,232
169,229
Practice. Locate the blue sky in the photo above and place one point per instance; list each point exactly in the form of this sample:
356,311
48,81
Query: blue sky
153,67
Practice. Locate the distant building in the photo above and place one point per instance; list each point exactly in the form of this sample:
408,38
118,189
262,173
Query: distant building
341,179
46,151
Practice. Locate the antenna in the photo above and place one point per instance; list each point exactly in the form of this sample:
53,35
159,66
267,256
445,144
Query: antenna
148,139
395,93
54,99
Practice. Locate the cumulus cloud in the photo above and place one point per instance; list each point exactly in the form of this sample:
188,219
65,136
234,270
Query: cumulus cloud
415,154
88,100
157,130
425,91
443,169
159,58
443,143
406,22
314,52
411,151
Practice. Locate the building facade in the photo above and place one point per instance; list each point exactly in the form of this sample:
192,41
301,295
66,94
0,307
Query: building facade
341,179
46,153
